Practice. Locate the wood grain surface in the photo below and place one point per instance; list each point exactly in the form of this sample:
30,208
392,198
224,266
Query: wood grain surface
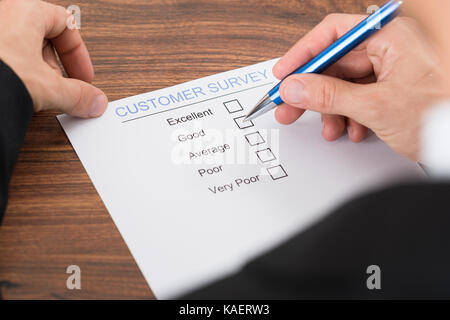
55,217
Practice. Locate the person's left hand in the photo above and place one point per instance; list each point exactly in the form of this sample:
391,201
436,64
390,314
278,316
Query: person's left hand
31,31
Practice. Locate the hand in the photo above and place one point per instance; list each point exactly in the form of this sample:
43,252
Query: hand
385,84
31,32
433,16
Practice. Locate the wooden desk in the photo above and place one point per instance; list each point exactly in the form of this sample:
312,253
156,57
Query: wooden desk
55,217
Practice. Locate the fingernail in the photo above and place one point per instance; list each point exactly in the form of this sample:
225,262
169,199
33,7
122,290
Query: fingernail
293,91
99,106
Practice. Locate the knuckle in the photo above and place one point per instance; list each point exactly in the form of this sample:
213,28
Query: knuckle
79,94
60,10
405,20
326,96
332,17
405,24
336,17
26,5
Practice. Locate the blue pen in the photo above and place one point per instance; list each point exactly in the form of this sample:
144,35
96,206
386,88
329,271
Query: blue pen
333,53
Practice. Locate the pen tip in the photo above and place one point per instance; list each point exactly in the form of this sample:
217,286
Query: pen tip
263,106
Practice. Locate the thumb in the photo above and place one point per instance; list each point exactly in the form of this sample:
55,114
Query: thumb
328,95
76,98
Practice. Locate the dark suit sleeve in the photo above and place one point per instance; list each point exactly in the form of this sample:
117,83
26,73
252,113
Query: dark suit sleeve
404,230
16,109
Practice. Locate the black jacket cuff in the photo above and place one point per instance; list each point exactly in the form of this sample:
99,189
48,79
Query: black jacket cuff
16,110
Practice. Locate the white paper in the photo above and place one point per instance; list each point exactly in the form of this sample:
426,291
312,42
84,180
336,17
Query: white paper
187,227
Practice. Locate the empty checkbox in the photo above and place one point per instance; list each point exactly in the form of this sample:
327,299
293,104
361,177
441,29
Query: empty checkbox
241,124
233,106
265,155
254,138
277,172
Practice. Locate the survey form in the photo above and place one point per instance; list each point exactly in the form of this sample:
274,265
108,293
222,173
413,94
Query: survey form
196,192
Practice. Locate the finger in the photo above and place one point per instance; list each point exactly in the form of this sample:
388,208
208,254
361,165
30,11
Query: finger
68,43
322,36
286,114
356,131
329,95
74,97
49,56
333,127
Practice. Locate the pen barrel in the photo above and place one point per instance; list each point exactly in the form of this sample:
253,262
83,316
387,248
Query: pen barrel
345,44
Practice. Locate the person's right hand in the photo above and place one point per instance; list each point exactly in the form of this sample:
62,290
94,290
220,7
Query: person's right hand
386,84
32,30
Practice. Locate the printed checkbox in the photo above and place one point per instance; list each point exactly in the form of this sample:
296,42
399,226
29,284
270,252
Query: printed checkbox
277,172
254,138
241,124
233,106
265,155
